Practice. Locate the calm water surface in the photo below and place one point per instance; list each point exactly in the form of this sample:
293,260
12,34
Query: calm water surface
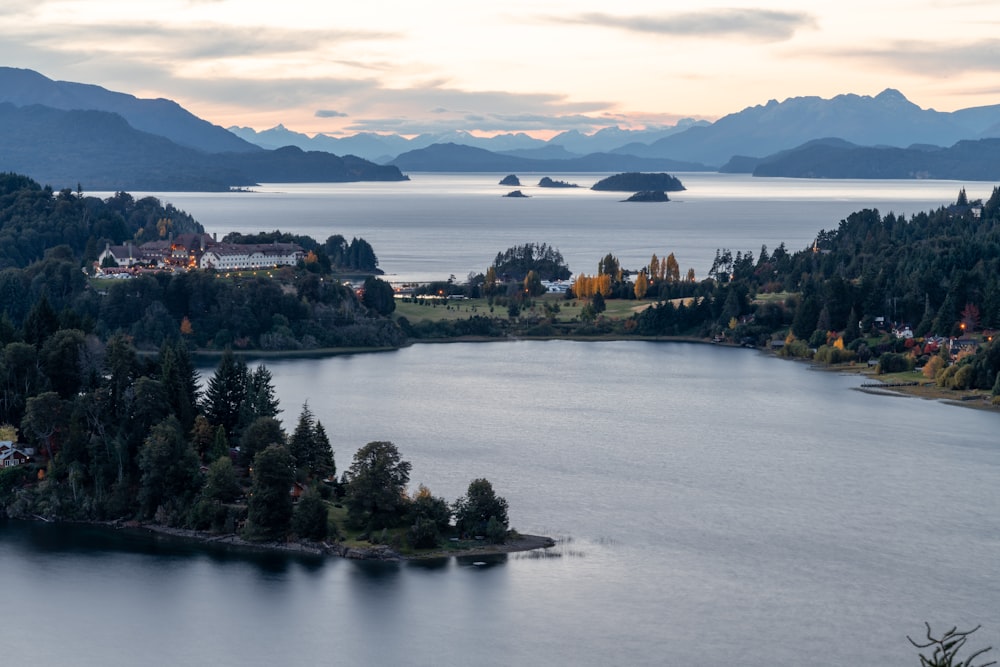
715,507
437,225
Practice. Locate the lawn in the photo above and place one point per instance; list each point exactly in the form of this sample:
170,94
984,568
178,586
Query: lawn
464,308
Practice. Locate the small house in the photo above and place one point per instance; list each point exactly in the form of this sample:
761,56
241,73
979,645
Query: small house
11,456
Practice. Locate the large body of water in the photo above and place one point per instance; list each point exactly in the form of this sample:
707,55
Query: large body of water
715,506
441,224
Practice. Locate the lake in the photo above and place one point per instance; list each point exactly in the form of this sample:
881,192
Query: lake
714,506
437,225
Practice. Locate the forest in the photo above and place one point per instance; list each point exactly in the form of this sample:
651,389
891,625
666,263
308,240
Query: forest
137,440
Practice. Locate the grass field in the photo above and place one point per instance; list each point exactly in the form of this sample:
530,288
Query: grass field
435,311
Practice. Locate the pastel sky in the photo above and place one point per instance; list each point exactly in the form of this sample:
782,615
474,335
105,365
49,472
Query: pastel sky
538,66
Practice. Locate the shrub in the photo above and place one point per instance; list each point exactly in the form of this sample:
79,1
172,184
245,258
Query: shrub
310,518
892,362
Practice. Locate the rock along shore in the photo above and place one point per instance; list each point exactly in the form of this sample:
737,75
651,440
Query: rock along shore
305,547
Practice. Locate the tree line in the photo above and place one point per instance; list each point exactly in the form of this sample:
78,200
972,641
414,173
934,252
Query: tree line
135,438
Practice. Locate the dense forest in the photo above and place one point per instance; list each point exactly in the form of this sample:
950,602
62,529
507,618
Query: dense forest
48,241
135,439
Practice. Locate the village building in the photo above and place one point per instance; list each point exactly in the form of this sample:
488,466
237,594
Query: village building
197,251
234,257
11,456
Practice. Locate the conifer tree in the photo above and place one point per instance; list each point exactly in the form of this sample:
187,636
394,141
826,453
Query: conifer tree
226,392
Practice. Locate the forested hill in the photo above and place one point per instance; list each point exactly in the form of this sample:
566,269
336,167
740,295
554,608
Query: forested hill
101,151
47,237
972,160
34,219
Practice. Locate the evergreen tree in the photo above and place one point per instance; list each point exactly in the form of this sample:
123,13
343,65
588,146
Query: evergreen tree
258,436
226,392
269,510
41,322
324,466
300,444
180,380
261,393
480,505
169,471
310,446
376,484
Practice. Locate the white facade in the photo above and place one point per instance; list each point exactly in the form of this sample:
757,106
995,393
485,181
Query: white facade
232,257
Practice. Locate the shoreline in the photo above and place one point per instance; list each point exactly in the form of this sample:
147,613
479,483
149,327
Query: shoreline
378,552
923,390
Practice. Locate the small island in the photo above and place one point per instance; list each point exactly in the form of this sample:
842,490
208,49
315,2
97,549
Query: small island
649,196
511,179
638,182
516,194
547,182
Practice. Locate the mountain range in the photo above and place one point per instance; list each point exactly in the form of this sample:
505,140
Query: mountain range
68,133
975,160
887,119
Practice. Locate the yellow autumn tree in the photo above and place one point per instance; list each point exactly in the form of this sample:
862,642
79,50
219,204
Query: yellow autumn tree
654,267
673,270
603,284
186,328
8,432
641,285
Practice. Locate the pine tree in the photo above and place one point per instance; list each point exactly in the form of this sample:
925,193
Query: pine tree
301,444
226,392
325,466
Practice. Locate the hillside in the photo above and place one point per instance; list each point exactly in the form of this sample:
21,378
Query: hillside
885,119
966,160
455,157
101,151
23,87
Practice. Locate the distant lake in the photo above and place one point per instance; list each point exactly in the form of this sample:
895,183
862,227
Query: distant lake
715,506
436,225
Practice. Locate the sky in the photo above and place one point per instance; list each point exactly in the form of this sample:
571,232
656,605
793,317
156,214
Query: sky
539,66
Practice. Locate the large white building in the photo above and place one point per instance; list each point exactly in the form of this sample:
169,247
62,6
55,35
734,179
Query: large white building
234,257
203,252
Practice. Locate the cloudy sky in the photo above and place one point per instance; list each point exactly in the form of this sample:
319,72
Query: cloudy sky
538,66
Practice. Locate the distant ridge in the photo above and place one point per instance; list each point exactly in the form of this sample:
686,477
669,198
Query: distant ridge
23,87
101,151
454,157
885,119
966,160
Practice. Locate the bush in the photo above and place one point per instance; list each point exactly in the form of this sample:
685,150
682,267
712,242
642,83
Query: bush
423,534
310,518
828,354
892,362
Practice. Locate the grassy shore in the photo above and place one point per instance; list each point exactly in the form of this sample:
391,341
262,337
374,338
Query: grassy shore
914,384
